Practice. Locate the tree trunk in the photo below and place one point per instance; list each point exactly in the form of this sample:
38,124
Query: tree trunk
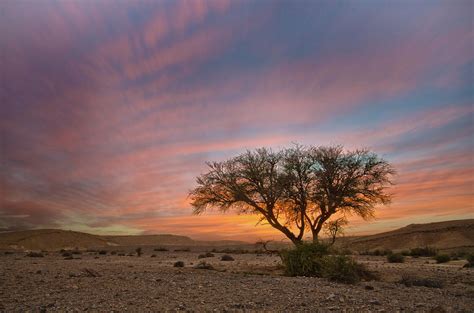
315,237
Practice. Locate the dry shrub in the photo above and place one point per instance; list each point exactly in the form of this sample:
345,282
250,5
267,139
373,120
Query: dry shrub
395,258
409,281
425,251
206,255
227,257
442,258
35,254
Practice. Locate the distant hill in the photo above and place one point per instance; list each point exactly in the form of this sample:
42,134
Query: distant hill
50,239
149,240
56,239
449,235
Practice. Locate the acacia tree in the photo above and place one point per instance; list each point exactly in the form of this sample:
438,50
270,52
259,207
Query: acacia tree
297,189
335,228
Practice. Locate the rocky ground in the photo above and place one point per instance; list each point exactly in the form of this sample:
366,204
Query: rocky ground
252,282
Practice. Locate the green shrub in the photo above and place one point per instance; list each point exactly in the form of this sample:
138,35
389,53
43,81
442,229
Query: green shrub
304,260
470,258
426,251
395,258
470,261
227,257
313,260
442,258
344,269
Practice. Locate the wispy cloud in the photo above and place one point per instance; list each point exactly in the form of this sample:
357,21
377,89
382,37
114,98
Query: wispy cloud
112,108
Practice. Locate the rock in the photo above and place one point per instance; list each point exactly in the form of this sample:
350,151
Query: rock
374,302
331,297
178,264
227,257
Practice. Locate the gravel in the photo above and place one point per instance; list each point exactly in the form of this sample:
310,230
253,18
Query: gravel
250,283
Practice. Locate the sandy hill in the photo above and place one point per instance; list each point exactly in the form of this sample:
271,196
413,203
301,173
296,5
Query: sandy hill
150,240
50,239
449,235
55,239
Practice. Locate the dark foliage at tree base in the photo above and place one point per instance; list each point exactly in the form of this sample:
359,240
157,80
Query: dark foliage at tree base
313,260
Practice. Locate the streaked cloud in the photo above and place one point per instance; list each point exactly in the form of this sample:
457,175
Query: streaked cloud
111,109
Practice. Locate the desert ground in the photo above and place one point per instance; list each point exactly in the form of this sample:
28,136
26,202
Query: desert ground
122,281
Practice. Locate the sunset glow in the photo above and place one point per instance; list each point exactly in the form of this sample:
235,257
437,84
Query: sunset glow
110,109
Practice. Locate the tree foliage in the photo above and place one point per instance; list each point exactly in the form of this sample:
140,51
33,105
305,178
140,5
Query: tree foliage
298,189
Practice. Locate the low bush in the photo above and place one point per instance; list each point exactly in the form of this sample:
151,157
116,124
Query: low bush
377,252
344,269
103,252
410,281
425,251
138,251
304,260
206,255
442,258
35,254
470,261
227,257
314,260
182,250
395,258
153,256
66,254
178,264
160,249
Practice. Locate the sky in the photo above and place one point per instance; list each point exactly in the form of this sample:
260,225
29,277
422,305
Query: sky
110,109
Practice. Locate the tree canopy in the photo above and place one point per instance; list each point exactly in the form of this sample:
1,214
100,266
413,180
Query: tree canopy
296,190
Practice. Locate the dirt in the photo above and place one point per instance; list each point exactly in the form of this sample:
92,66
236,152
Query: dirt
252,282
